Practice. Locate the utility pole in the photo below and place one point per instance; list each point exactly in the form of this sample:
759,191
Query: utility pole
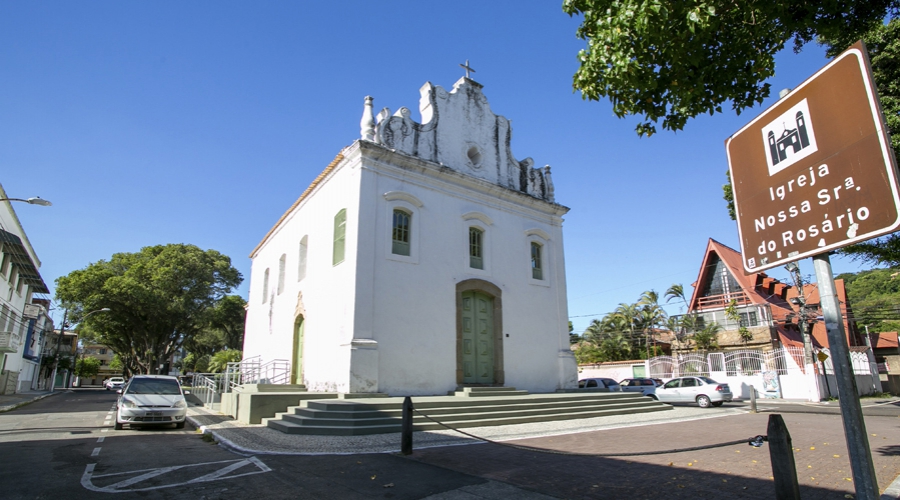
805,334
62,331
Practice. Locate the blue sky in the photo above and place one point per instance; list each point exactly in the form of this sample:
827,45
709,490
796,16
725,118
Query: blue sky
201,122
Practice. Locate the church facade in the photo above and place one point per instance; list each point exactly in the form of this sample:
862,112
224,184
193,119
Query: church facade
425,257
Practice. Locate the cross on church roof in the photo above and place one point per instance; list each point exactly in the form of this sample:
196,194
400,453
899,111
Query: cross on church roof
467,68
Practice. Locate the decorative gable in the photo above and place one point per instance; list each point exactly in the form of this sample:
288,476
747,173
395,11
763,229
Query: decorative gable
459,131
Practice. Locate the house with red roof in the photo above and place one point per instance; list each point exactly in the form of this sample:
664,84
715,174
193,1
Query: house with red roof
768,310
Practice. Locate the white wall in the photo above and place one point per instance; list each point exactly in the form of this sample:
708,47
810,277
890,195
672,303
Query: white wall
327,290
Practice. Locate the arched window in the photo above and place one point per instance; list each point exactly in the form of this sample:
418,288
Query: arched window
401,232
266,286
537,268
476,250
340,235
281,264
301,259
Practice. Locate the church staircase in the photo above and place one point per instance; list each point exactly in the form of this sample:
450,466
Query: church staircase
489,407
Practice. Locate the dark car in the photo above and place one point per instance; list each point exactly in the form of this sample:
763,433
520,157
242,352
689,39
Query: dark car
598,383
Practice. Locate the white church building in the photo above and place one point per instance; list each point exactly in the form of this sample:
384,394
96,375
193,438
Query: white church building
423,258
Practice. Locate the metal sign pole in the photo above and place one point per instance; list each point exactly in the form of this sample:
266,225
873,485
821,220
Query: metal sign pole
851,412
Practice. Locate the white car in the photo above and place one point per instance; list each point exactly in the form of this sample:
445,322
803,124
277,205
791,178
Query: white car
151,400
114,383
704,391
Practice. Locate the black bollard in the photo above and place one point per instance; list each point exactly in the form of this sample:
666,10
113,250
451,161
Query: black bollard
781,452
406,428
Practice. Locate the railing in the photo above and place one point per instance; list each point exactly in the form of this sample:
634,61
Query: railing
254,371
723,300
208,388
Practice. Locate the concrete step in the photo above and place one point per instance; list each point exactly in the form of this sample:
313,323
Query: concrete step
426,425
335,417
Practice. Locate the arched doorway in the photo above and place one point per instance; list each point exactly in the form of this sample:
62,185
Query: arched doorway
297,352
479,333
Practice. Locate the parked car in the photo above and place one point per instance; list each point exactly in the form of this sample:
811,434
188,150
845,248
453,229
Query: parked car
598,383
704,391
151,400
114,383
646,386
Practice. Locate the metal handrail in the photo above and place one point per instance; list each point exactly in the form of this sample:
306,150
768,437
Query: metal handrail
254,371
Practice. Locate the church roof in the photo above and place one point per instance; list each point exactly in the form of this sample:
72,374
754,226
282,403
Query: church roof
331,166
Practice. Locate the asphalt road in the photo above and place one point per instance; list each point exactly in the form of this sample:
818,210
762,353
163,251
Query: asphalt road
64,446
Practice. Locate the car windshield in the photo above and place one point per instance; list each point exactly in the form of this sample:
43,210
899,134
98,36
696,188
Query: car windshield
708,380
154,386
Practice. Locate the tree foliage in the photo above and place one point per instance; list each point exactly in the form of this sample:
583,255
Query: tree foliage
220,360
674,60
159,298
874,297
86,367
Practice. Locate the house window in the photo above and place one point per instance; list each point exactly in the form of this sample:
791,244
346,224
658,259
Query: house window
4,264
536,268
340,235
749,319
265,286
4,317
476,250
102,351
281,263
400,232
301,260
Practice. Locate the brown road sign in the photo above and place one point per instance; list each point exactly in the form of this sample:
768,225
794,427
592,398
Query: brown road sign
815,171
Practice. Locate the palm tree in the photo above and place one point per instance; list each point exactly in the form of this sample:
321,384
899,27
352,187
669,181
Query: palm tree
651,315
705,339
628,315
676,291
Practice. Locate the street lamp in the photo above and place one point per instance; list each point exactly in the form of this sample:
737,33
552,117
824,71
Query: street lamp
62,331
35,200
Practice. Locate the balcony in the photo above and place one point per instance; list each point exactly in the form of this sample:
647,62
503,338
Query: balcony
9,342
722,301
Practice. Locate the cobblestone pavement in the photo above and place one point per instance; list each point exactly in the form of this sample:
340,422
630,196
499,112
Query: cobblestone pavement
737,471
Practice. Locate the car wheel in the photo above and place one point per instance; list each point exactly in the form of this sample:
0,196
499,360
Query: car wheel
718,404
704,401
179,425
117,426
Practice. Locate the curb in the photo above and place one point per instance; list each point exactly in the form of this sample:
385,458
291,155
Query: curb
892,492
23,403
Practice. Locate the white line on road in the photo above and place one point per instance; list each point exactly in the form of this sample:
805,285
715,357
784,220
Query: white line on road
100,439
121,486
95,452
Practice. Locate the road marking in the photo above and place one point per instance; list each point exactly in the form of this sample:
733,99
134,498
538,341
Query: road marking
257,466
100,439
104,430
95,452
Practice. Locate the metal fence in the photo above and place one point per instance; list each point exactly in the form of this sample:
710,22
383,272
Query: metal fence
733,363
209,387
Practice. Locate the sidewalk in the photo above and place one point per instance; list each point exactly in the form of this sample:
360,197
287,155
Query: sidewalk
570,468
13,401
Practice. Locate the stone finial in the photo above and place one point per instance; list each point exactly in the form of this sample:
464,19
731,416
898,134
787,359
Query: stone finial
367,123
551,195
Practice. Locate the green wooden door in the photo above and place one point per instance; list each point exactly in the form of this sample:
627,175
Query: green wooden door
477,338
297,364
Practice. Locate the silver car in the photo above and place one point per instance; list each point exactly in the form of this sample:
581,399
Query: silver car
704,391
646,386
151,400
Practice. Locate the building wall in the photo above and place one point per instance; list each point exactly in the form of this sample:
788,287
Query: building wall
408,304
325,294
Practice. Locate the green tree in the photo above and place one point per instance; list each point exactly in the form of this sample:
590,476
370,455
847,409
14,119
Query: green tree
706,339
674,60
159,298
220,360
731,312
651,316
574,338
87,367
874,297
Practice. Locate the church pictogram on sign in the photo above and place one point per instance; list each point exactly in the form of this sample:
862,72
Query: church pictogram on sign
789,138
